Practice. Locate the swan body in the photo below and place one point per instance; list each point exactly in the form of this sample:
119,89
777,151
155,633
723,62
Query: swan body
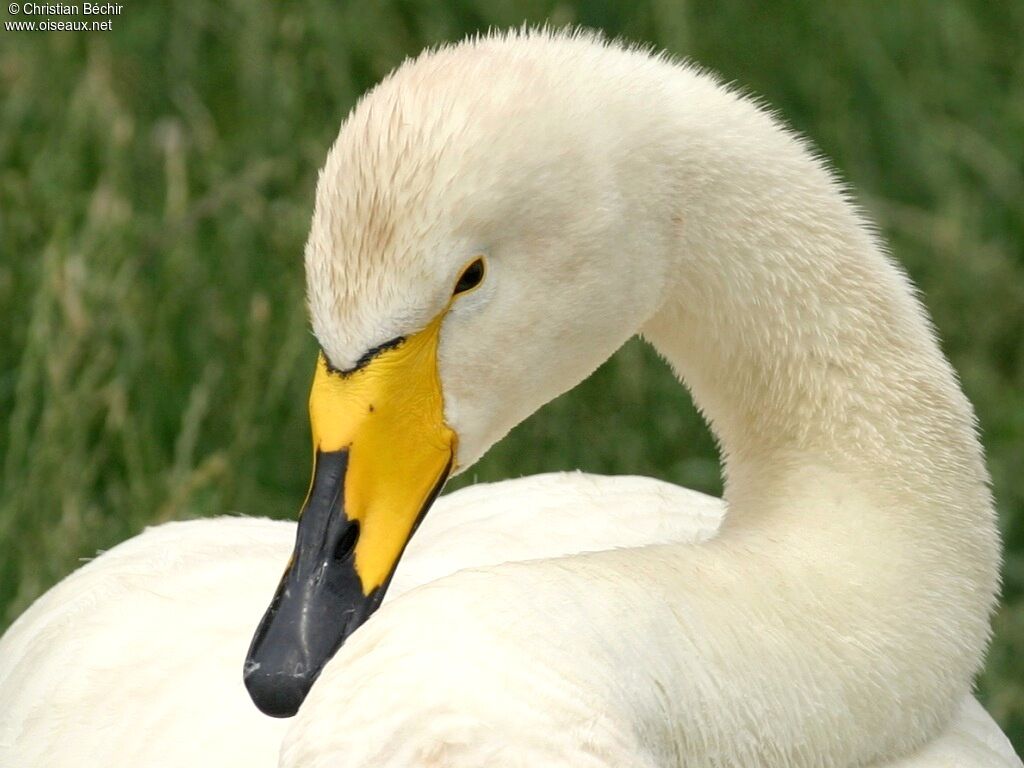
594,192
113,666
134,658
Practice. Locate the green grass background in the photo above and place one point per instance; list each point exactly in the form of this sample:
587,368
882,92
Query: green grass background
156,184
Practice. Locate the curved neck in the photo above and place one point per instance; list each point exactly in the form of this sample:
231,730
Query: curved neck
858,502
843,612
801,342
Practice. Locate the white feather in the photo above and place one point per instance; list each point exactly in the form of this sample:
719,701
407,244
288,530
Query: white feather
135,658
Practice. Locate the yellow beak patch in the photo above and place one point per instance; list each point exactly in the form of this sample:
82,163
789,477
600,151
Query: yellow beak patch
389,416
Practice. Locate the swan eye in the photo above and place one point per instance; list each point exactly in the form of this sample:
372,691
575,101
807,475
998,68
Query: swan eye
470,278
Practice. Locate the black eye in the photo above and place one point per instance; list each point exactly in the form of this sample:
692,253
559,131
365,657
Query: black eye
470,277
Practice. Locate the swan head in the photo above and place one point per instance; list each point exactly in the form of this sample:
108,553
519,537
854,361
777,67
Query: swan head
474,252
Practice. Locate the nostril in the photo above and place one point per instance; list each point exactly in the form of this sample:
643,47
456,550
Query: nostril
347,542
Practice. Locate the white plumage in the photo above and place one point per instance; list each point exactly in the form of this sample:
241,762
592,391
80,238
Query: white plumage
134,659
838,617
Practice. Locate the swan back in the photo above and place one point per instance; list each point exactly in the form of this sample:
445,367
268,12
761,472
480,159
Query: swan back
552,515
134,659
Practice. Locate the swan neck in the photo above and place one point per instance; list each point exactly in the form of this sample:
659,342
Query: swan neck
801,341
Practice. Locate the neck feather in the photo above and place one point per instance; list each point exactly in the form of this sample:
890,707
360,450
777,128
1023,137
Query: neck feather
802,343
855,484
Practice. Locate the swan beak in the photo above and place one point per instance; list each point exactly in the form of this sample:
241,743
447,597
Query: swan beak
382,452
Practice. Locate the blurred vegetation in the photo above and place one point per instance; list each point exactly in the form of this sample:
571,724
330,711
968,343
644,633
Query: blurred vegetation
156,184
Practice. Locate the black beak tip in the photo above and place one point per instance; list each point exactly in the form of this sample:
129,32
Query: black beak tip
276,694
320,601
